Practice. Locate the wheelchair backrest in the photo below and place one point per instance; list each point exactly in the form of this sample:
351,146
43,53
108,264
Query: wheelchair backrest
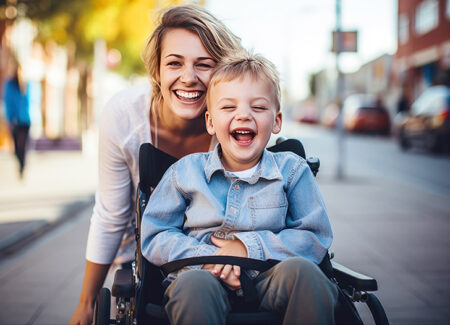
153,162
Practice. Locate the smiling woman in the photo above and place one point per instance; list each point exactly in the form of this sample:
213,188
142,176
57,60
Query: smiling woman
179,57
184,76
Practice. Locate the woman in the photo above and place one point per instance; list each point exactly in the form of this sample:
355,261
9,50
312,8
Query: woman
179,57
17,104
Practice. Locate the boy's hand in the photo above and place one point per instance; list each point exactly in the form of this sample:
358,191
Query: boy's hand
230,247
229,274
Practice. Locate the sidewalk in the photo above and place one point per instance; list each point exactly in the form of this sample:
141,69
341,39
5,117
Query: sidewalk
56,185
397,235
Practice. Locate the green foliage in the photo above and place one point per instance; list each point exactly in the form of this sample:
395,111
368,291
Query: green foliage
123,24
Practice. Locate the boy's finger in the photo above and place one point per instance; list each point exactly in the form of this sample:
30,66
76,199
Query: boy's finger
226,271
237,270
217,269
207,266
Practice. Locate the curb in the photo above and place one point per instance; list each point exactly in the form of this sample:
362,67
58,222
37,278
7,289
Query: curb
34,229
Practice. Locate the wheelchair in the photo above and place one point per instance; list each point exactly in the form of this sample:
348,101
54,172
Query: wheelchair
139,291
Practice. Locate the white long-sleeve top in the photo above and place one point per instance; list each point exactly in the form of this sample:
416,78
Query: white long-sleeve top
124,126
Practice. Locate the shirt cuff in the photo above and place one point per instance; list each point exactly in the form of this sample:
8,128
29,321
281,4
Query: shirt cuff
206,250
252,243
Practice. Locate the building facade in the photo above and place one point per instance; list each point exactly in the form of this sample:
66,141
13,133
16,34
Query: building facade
423,51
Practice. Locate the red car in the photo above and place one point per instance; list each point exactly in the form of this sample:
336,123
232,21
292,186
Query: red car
365,113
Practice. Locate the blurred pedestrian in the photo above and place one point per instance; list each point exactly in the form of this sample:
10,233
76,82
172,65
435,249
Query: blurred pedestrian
403,103
17,104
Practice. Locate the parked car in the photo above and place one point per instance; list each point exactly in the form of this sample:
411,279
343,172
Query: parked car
427,124
306,112
365,113
329,115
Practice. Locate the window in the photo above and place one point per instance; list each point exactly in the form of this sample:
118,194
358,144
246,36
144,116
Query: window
403,28
447,9
427,16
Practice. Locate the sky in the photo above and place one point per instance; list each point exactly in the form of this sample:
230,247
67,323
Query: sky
296,34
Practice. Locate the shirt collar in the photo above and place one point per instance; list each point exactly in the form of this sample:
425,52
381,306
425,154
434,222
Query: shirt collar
267,169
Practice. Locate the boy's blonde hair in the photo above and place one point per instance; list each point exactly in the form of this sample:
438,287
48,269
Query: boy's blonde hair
218,40
240,64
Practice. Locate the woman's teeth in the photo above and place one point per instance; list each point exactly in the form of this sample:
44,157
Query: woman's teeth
188,95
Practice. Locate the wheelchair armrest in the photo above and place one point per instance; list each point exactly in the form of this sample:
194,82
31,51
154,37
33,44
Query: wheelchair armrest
123,285
314,164
346,277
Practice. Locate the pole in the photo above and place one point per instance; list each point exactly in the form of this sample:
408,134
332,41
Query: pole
339,88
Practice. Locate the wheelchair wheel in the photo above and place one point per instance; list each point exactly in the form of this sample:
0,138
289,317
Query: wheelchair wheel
102,307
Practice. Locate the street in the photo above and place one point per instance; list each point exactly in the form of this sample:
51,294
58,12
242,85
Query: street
390,215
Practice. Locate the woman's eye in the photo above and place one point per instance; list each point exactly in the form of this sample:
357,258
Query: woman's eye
174,63
204,66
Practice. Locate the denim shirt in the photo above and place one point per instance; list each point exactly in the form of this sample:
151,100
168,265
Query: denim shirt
277,213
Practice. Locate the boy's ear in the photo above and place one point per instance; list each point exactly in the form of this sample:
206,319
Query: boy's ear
209,124
276,128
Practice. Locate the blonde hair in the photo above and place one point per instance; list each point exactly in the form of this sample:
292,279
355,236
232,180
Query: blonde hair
241,64
218,40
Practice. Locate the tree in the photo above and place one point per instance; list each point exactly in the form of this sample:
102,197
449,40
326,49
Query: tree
123,24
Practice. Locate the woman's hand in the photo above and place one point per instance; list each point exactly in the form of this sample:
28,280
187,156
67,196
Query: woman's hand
94,276
83,314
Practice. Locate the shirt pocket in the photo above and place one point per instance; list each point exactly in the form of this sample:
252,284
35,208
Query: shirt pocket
268,212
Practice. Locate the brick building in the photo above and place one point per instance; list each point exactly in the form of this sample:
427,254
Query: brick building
423,52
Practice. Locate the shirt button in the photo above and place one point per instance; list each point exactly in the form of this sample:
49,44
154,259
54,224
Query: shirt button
236,187
233,210
219,234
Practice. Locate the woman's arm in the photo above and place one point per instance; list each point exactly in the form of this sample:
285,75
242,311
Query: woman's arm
94,276
112,210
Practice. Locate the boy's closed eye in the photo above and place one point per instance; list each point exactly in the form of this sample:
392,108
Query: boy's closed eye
261,108
227,107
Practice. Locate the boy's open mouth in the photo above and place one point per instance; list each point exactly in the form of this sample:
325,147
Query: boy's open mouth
189,95
244,136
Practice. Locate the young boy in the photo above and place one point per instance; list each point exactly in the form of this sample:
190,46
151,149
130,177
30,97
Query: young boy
242,200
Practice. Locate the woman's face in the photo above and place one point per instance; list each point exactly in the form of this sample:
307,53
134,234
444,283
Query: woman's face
184,73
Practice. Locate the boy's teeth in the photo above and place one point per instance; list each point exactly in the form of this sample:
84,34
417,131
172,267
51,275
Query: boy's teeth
243,136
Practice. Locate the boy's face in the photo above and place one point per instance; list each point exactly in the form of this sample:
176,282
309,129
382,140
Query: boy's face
242,114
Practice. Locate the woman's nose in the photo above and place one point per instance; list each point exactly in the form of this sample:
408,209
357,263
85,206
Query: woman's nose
188,74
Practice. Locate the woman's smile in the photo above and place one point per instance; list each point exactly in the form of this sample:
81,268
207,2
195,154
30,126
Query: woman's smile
189,95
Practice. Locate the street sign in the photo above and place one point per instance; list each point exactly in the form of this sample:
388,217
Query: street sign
349,41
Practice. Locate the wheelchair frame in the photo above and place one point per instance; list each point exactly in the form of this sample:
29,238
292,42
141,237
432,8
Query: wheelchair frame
139,292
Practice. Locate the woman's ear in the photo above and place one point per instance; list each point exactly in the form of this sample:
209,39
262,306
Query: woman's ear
209,123
276,128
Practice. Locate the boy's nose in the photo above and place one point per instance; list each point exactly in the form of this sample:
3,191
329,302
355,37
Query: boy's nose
243,113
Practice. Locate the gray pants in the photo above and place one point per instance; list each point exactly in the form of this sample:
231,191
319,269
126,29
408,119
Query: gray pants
295,287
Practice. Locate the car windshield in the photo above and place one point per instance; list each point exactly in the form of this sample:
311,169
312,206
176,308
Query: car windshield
432,101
